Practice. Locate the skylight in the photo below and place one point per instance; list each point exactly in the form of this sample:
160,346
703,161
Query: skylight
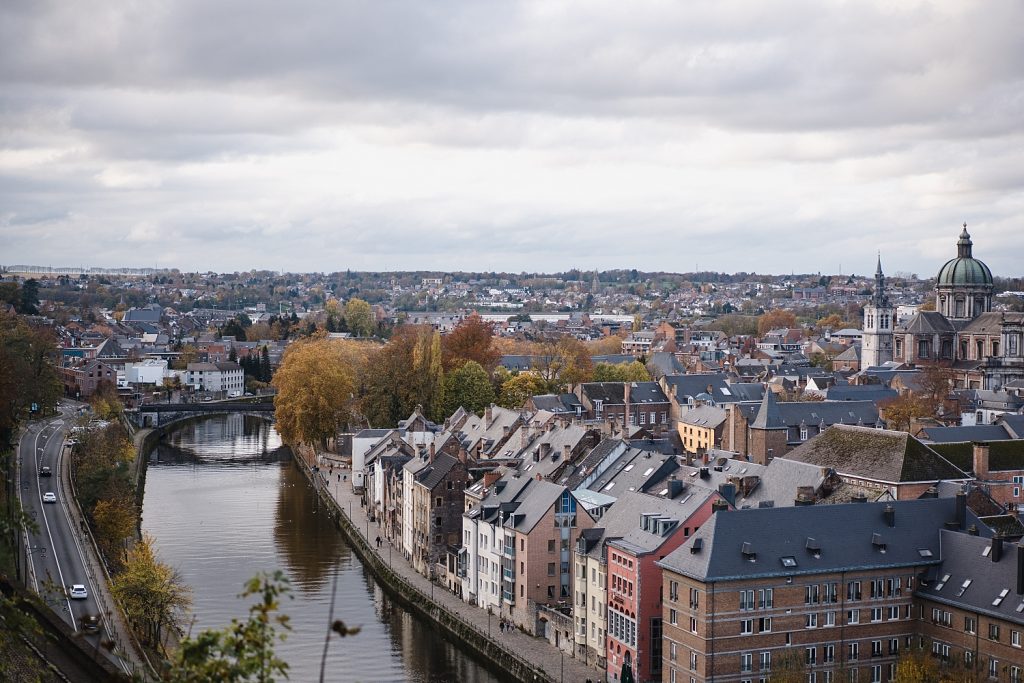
629,467
924,552
609,486
986,551
1002,594
788,561
648,471
942,583
966,584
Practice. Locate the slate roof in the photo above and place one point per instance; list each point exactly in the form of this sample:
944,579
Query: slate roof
534,502
622,520
614,393
927,322
990,323
704,416
557,403
876,454
664,363
850,354
1014,424
613,359
634,470
860,392
964,558
842,532
960,434
435,472
794,413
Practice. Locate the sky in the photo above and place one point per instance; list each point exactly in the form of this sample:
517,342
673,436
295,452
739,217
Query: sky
772,137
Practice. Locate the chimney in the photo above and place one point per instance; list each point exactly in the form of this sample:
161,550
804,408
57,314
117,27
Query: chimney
675,487
567,451
505,430
433,451
488,416
490,477
728,491
890,516
997,548
719,506
961,510
626,396
1020,569
804,496
980,460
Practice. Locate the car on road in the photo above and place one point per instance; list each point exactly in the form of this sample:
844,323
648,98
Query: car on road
90,622
49,497
78,592
44,471
208,398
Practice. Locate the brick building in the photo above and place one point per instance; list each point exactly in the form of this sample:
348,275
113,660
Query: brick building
829,590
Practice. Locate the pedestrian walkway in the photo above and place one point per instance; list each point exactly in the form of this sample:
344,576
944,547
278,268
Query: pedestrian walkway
558,665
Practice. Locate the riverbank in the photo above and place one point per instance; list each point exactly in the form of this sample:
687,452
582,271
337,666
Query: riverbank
515,656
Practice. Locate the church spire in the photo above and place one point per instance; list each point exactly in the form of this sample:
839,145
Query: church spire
880,298
964,244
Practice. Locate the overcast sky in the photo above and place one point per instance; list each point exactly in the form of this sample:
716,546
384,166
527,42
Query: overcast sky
519,136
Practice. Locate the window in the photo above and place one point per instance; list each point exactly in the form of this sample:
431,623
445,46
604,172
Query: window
746,627
876,648
830,618
853,616
811,655
894,646
693,661
746,599
1015,674
1015,638
811,595
693,625
876,673
877,588
811,620
923,347
746,662
551,545
831,592
803,433
764,625
894,612
765,661
970,626
993,631
854,651
853,590
876,614
993,668
551,568
673,651
765,598
673,617
828,654
694,595
673,591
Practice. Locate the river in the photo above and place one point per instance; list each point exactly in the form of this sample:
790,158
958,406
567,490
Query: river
223,501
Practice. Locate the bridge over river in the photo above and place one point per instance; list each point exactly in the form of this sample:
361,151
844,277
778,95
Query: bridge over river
163,414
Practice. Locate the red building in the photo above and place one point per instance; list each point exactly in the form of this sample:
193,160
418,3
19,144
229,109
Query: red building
660,525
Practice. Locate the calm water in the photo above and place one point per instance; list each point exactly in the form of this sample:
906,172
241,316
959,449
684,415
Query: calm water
223,503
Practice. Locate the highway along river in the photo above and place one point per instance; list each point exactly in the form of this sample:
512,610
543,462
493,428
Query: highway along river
223,501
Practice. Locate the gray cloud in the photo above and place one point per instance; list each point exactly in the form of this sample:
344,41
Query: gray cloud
510,135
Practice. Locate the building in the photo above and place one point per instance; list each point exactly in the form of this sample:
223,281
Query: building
876,342
626,403
700,429
829,590
81,381
227,377
892,464
437,505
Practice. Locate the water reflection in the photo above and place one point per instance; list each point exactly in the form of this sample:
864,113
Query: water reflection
222,505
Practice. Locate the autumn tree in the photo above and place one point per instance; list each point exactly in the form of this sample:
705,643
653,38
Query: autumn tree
27,372
915,666
468,386
402,374
115,520
244,650
775,319
622,372
833,321
934,386
359,318
472,339
317,386
517,389
900,412
564,363
152,594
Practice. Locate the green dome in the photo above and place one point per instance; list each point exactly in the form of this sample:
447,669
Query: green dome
964,269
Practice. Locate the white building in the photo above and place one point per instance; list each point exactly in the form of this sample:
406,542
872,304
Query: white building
149,371
227,377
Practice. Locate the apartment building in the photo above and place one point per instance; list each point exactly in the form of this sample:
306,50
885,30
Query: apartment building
829,589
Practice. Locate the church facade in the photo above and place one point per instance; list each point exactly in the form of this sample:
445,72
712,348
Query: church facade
984,348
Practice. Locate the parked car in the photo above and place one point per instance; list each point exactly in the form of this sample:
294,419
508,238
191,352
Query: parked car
78,592
44,471
49,497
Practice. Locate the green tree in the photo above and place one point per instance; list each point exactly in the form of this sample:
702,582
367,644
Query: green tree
27,373
244,651
30,297
233,328
470,387
359,318
402,374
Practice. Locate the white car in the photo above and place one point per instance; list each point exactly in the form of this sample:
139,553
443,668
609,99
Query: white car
49,497
78,592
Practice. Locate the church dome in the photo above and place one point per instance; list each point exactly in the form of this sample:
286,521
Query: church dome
964,269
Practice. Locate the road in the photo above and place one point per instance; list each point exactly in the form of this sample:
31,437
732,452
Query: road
56,556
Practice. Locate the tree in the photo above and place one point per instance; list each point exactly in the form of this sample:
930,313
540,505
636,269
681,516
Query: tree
265,373
233,328
30,297
359,318
470,340
833,321
900,412
516,390
468,386
915,666
27,372
244,651
627,372
151,593
116,519
775,319
402,374
316,386
935,384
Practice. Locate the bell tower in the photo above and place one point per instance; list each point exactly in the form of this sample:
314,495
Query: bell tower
876,347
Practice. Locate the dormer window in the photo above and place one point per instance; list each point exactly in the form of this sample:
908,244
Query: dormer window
803,433
598,406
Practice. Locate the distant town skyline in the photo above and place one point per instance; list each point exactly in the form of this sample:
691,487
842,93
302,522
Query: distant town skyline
516,137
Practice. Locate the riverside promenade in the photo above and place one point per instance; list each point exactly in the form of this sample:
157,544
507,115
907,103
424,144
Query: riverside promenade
557,665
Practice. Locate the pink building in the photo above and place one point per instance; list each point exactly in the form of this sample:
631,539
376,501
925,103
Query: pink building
660,525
